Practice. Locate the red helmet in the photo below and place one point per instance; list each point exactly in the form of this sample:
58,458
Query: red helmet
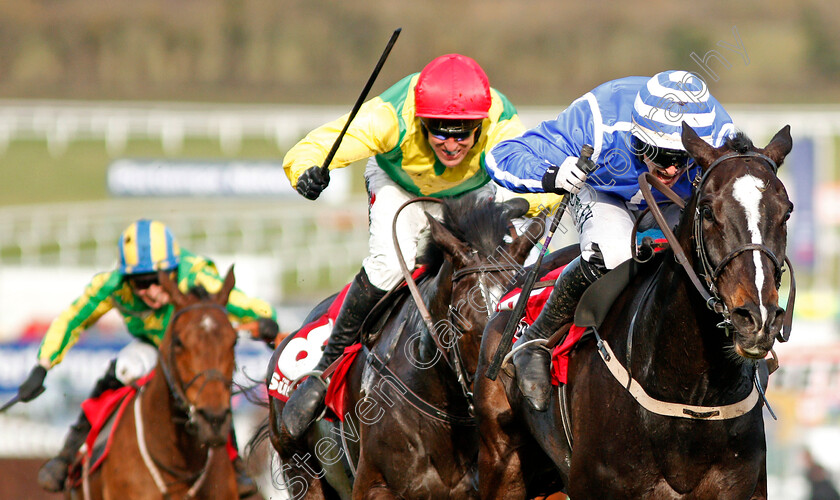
452,87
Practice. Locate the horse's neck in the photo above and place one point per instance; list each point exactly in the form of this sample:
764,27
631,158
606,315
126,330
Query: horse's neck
678,350
166,435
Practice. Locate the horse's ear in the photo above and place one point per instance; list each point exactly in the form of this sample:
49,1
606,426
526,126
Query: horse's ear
700,150
779,146
522,246
171,288
230,280
455,248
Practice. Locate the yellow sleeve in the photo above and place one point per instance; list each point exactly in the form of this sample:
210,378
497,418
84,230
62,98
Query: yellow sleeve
503,130
374,130
241,308
541,201
65,330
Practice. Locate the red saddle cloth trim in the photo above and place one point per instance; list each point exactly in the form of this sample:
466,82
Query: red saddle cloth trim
98,410
278,386
337,389
537,299
536,302
560,355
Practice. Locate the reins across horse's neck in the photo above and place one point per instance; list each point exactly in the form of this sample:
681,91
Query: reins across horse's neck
452,356
150,462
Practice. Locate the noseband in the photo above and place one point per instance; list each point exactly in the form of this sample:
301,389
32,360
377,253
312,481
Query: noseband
170,371
710,273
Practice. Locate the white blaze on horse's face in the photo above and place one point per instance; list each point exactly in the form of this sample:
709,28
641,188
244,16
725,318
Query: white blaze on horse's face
208,324
748,191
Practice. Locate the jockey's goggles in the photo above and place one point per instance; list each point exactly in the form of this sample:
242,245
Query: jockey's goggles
142,281
442,129
664,158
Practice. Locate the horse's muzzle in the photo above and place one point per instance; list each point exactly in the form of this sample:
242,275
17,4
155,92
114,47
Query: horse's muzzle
213,426
756,334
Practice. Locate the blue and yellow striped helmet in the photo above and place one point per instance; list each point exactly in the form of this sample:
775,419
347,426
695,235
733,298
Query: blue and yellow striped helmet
148,246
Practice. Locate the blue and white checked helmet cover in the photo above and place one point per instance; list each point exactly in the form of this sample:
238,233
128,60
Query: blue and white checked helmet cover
668,99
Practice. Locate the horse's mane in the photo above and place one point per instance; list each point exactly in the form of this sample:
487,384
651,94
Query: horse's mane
199,292
477,221
739,143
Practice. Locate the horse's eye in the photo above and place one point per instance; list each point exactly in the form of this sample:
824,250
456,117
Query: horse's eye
786,216
707,214
177,344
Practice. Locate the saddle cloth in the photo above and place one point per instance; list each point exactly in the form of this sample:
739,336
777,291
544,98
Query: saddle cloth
103,413
536,301
302,353
653,238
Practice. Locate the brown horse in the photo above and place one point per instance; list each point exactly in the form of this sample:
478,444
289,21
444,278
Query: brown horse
660,401
409,428
170,441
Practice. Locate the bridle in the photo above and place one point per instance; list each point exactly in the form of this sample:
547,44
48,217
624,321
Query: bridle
709,292
183,404
711,273
451,355
170,372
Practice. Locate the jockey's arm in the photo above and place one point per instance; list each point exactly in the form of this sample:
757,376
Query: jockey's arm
85,311
519,164
374,130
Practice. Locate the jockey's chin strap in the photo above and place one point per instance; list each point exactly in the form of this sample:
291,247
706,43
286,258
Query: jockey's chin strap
709,292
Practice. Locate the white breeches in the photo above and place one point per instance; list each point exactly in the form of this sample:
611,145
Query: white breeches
605,222
384,198
135,360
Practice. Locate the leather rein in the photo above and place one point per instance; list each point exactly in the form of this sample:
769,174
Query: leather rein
450,351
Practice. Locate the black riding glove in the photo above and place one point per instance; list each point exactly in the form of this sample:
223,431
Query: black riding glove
312,182
33,386
267,330
517,207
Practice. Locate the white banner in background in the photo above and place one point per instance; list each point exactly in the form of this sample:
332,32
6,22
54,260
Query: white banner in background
235,178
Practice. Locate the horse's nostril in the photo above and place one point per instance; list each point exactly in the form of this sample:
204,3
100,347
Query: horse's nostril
215,418
775,318
746,319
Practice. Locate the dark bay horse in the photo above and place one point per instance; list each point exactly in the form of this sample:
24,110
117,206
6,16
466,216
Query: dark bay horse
679,416
409,429
171,440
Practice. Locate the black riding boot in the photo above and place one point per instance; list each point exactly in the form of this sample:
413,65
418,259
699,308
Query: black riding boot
53,474
307,401
533,362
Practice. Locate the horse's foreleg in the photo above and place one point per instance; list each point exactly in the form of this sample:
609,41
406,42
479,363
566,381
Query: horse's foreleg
369,483
499,465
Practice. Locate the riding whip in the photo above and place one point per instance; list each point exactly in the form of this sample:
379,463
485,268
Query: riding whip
16,399
505,344
325,166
